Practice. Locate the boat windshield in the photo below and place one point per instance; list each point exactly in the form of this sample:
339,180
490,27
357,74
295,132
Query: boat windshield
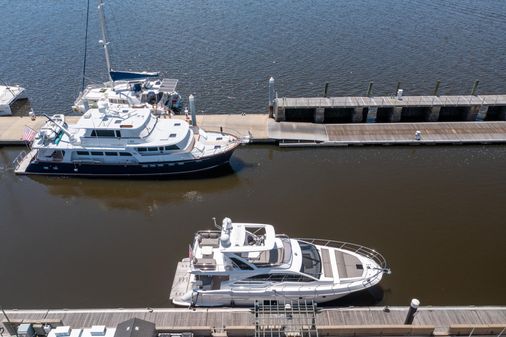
311,263
275,257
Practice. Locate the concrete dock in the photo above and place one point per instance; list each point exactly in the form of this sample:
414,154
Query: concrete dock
360,321
262,129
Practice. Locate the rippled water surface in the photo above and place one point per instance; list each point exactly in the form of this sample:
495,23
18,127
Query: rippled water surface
436,213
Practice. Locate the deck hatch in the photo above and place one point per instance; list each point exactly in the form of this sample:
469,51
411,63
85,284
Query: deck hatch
327,266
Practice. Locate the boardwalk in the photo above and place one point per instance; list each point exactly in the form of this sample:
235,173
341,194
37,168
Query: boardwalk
262,129
311,134
440,318
391,101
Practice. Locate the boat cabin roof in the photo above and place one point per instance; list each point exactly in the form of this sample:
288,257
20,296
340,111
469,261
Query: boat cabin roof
114,117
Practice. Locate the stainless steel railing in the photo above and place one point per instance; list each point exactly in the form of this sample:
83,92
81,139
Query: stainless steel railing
359,249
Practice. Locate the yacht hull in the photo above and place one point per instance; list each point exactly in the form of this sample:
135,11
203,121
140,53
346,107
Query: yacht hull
170,168
247,298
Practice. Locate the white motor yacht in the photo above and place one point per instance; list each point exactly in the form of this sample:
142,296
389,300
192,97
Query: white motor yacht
243,263
116,140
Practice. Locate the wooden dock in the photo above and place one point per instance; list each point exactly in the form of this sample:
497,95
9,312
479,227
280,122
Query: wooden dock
262,129
329,321
390,109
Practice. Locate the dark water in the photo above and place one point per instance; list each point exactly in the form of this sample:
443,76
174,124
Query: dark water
436,213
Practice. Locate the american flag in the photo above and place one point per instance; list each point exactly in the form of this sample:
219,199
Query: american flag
190,252
28,134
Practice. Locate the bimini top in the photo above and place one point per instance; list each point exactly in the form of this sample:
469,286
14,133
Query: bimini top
131,75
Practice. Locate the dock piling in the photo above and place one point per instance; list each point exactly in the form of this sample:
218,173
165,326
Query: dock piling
413,307
436,89
193,111
271,95
475,87
369,89
326,90
398,86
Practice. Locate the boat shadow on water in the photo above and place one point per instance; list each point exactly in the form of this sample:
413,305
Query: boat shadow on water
368,297
139,194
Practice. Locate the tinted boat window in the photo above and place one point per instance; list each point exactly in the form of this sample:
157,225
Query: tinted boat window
241,265
102,133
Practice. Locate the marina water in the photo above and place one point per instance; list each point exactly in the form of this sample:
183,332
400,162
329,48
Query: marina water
436,213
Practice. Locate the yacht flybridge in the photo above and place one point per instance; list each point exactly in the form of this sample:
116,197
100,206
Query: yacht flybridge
116,140
245,262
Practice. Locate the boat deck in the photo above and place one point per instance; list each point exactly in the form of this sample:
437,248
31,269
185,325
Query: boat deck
181,282
23,160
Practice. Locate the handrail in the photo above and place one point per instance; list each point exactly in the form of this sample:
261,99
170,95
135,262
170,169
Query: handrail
359,249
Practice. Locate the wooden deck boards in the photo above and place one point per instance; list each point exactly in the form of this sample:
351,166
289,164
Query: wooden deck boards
181,281
440,317
263,129
390,101
452,132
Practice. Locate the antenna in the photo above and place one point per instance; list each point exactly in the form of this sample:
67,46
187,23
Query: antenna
215,224
104,41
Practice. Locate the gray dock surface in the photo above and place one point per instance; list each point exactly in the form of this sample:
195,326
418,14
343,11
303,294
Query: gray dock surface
391,101
441,318
262,129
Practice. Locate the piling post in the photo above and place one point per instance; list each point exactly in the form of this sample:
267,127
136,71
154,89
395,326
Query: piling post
326,91
271,96
398,87
193,111
436,89
369,89
475,87
413,307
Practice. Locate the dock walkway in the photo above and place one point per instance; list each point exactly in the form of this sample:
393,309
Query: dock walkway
437,320
262,129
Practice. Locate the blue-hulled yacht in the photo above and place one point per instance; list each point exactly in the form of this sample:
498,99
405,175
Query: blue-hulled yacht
117,140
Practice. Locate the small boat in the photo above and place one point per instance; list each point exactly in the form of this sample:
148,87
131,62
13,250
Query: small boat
115,140
241,263
8,96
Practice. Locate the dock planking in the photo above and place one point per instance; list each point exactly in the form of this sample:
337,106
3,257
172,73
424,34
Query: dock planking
441,318
391,101
262,129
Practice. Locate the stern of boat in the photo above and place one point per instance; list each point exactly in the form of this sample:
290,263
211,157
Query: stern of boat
181,285
23,160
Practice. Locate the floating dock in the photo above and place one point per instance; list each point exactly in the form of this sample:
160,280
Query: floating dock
262,129
282,320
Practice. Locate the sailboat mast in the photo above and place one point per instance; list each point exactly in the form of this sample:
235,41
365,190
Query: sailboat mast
104,41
